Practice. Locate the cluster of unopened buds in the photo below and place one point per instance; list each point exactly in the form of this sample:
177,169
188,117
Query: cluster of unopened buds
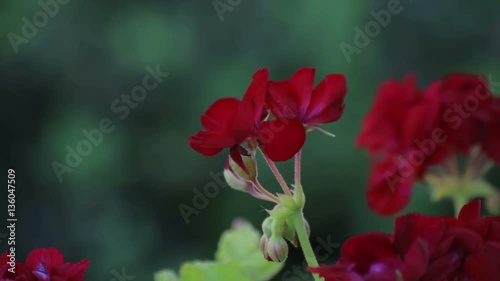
415,135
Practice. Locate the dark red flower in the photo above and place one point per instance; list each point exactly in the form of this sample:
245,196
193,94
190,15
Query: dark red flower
20,273
410,131
295,98
465,100
44,265
469,248
423,248
490,142
389,189
401,129
229,122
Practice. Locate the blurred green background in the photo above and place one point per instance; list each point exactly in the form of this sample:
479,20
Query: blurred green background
120,206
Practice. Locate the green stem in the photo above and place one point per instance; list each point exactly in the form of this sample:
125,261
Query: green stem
305,244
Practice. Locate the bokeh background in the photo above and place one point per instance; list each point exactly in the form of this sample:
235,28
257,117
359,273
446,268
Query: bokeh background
120,206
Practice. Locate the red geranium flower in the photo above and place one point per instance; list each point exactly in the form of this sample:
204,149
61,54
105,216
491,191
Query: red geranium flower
295,98
490,142
230,122
400,125
465,101
411,130
423,248
43,265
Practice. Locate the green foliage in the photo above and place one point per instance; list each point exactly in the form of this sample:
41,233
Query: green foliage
238,257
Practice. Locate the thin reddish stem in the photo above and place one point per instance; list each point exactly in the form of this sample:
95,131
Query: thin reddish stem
264,191
277,174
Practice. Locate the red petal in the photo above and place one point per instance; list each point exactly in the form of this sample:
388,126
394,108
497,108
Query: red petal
470,211
302,83
249,113
327,101
49,257
281,139
491,140
383,126
290,98
483,265
442,267
336,272
366,249
383,272
218,112
414,227
281,100
71,272
196,143
390,189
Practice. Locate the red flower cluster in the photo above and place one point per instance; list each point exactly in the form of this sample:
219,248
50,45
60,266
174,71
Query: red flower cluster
410,130
294,104
423,248
42,265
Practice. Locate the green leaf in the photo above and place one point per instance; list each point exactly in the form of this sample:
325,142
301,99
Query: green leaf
166,275
241,244
212,271
238,258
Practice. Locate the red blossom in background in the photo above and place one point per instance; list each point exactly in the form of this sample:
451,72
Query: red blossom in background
466,103
409,131
423,248
43,265
491,135
401,114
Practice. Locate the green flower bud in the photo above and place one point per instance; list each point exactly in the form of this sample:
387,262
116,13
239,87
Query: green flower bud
242,162
277,249
290,233
267,226
264,241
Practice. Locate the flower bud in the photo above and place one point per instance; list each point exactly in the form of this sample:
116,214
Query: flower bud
277,249
235,181
242,162
290,234
264,241
267,226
